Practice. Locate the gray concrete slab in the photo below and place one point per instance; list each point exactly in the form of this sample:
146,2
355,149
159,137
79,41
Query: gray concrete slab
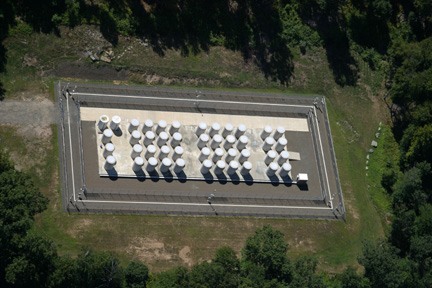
170,196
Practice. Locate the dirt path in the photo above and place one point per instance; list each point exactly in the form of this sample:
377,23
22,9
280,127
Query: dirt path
28,112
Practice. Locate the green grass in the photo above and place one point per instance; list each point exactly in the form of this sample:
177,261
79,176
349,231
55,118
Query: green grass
386,152
354,112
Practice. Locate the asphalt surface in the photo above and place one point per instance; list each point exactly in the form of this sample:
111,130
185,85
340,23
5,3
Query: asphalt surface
157,196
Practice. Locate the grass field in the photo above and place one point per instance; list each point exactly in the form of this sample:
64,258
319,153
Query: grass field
166,241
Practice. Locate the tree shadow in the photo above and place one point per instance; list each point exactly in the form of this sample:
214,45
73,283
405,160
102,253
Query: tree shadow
251,27
331,29
271,52
108,27
336,44
3,59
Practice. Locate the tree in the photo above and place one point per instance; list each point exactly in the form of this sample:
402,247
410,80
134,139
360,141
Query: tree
420,148
25,258
350,279
304,273
402,229
421,256
99,269
228,265
383,267
65,273
424,220
408,190
136,275
175,278
267,250
32,262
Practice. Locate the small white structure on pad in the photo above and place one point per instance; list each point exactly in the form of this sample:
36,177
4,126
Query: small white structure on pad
302,178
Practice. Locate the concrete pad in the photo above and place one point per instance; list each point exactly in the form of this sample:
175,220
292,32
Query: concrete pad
185,118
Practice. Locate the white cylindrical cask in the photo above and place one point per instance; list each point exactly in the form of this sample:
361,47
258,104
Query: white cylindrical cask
149,137
200,129
283,157
216,141
204,154
135,137
174,128
178,153
107,136
246,168
227,130
163,152
281,144
161,126
179,165
176,139
232,153
241,129
242,142
270,157
148,126
244,156
206,166
115,122
268,144
165,165
217,155
279,132
202,141
272,168
162,139
284,169
103,122
133,125
136,151
220,166
151,164
229,142
232,167
214,129
137,164
266,132
110,162
108,150
150,151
